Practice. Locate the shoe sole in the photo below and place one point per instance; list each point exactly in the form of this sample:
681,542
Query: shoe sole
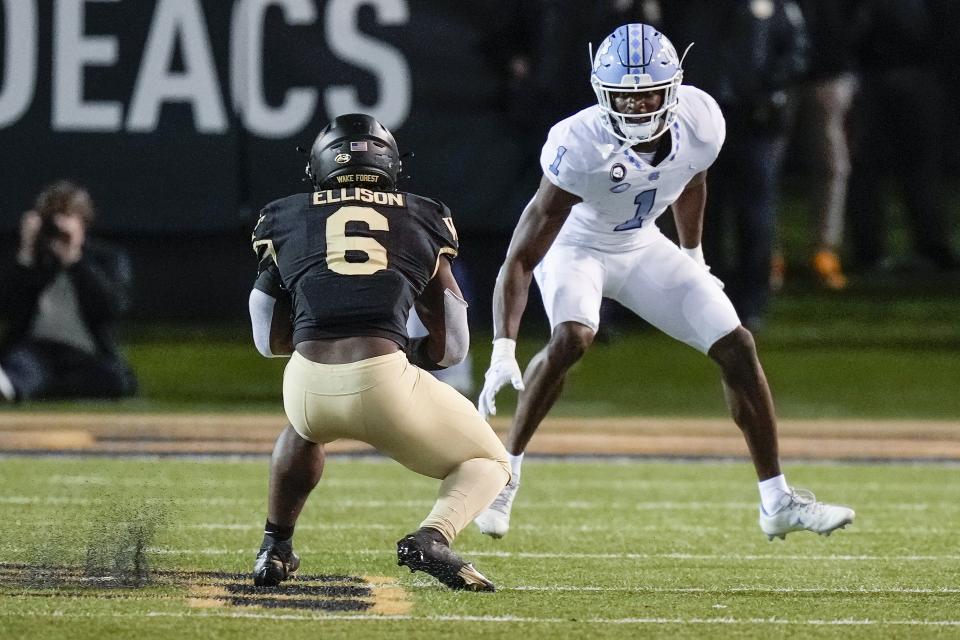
783,536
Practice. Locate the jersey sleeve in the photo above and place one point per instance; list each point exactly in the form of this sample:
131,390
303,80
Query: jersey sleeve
262,242
440,222
270,282
561,160
451,241
710,128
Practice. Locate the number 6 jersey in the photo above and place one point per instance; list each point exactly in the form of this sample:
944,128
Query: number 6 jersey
353,260
622,192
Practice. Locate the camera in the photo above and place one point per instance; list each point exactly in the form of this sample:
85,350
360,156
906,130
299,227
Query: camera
50,231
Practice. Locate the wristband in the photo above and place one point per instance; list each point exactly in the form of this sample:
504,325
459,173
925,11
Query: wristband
695,252
504,348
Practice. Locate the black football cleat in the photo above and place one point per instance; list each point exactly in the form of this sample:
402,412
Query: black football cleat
275,563
422,551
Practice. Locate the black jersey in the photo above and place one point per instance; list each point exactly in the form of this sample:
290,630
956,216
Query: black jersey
353,260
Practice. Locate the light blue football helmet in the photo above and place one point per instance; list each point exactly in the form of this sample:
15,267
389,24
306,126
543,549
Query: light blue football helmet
636,58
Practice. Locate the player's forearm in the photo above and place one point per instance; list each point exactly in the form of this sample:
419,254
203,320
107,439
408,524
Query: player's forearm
536,230
688,214
448,339
281,333
436,333
510,299
430,348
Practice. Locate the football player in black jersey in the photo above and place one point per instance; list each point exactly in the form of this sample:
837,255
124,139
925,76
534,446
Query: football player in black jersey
339,271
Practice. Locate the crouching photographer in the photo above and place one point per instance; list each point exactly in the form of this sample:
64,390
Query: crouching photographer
63,297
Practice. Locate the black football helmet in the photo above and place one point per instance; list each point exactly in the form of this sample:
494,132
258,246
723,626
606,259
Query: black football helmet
354,150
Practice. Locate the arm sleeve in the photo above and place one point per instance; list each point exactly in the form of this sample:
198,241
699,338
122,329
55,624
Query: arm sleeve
456,337
269,318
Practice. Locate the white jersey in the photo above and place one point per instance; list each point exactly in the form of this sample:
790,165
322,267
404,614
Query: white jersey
622,194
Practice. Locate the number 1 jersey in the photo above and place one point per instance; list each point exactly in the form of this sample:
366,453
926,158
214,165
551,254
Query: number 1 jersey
622,193
353,260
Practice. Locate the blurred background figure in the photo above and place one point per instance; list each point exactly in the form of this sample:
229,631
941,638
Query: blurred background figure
547,63
547,57
945,15
821,134
749,55
63,296
897,132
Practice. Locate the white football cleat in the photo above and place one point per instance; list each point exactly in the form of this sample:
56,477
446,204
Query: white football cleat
800,511
495,521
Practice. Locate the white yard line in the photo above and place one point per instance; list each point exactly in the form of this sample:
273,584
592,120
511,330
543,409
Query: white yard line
773,621
571,528
532,555
552,529
720,591
526,505
711,591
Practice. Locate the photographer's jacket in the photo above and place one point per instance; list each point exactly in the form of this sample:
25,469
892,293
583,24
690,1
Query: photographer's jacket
78,304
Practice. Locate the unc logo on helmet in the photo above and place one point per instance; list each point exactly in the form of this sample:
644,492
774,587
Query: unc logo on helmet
354,150
636,58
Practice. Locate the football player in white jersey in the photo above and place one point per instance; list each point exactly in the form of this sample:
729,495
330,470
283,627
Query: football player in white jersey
609,172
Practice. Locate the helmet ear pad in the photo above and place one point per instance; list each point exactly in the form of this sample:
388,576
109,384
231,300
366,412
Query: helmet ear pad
354,150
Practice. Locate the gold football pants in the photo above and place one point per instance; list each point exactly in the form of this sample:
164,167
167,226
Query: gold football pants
409,415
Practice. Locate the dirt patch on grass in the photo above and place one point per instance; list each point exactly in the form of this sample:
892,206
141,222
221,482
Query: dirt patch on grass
170,434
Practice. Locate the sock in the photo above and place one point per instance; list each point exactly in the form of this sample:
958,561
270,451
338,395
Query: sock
515,462
771,491
276,532
435,535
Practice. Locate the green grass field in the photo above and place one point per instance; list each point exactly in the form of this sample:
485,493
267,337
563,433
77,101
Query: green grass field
863,353
598,550
159,547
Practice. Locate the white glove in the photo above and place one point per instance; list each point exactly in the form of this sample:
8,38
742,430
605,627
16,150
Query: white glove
697,254
503,369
